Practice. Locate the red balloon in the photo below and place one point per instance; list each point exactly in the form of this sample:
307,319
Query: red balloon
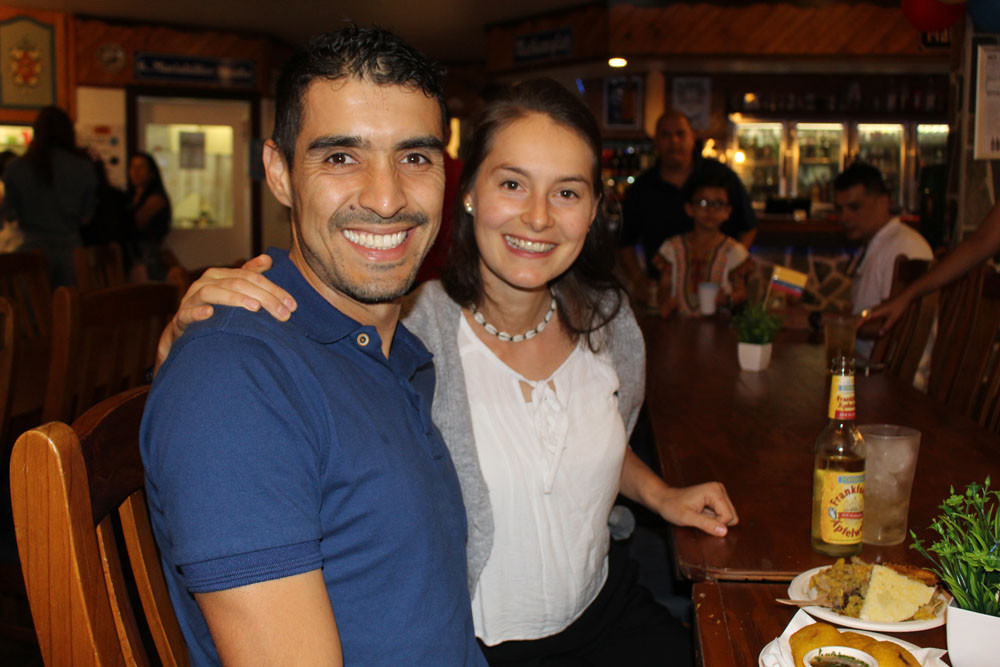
931,15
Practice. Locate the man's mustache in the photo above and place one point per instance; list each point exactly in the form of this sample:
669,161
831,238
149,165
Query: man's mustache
346,220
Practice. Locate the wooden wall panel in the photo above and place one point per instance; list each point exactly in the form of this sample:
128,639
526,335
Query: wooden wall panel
63,66
92,34
762,30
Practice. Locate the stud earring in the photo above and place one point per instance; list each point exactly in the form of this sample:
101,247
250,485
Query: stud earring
468,207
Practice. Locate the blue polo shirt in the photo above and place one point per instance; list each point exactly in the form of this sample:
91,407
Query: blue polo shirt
272,449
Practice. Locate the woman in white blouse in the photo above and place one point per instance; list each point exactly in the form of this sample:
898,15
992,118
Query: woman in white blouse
539,380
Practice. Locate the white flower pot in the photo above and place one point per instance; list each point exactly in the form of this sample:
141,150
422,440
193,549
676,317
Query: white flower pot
972,638
754,357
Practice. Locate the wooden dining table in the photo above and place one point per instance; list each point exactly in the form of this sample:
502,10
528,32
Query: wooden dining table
755,431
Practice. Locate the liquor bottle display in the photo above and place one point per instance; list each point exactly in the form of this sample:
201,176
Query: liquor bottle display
839,471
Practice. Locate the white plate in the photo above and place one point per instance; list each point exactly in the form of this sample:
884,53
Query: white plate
799,590
874,635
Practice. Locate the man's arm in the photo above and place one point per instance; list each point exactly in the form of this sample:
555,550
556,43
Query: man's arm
286,621
974,249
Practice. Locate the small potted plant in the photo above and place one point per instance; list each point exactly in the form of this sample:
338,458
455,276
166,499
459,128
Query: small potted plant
755,329
966,558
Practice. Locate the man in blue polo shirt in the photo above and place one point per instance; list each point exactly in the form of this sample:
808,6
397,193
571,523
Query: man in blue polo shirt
305,506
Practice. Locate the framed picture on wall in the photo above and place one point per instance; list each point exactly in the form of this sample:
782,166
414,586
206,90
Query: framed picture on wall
28,56
987,120
623,102
692,96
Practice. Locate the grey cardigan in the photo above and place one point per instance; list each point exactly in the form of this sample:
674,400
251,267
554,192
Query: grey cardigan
434,318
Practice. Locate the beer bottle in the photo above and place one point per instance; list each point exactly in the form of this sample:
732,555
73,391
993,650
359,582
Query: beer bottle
839,471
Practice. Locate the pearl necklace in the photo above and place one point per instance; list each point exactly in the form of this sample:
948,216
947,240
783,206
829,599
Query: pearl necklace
506,337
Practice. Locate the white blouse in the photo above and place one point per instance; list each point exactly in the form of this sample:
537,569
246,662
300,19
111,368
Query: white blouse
553,469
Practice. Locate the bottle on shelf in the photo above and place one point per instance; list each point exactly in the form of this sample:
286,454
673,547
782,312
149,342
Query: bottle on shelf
839,471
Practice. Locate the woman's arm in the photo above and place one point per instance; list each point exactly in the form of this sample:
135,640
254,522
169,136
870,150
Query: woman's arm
703,506
667,303
154,204
976,248
241,288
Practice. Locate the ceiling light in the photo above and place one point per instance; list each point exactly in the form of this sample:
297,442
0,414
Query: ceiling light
617,62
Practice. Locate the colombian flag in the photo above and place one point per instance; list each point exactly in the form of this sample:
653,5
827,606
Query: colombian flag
788,281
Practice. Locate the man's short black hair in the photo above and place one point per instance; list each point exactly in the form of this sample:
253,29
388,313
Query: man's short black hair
864,174
370,54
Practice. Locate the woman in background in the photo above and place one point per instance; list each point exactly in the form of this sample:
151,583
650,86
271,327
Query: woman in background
51,191
151,215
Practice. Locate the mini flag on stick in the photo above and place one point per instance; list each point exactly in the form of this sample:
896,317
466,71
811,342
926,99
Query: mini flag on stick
788,281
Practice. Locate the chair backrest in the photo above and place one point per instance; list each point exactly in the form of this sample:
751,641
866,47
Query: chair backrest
103,342
24,279
956,311
6,366
98,266
980,360
70,486
901,349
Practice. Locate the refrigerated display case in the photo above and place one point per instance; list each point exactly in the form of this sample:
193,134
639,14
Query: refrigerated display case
758,158
883,146
818,156
932,144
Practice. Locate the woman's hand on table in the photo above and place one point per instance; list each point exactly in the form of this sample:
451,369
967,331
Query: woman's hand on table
244,287
703,506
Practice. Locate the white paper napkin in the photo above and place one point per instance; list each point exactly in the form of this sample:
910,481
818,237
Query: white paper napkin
778,653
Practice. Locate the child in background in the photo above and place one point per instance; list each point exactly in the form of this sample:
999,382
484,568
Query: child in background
704,254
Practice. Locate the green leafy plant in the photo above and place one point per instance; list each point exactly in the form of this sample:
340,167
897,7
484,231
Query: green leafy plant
967,553
755,324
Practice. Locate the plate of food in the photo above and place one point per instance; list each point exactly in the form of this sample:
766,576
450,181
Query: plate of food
884,598
818,644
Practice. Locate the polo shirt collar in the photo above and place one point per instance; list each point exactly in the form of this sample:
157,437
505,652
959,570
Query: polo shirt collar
322,322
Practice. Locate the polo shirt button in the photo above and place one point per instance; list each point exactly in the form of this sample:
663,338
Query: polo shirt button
363,339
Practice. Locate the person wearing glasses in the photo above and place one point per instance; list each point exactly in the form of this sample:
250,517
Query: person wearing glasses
704,254
654,206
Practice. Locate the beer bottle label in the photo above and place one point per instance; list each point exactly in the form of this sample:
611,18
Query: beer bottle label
843,506
841,398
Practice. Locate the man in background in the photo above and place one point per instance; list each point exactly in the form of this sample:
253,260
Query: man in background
653,209
862,204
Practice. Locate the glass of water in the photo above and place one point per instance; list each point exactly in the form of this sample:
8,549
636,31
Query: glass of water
890,462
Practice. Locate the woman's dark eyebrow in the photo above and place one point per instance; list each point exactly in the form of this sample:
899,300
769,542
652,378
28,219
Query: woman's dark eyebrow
522,172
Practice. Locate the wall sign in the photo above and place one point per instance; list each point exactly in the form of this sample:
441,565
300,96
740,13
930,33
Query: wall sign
543,45
987,131
27,64
191,69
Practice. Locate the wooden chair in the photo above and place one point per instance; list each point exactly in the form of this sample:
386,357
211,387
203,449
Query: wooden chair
103,342
99,266
7,347
24,281
70,486
901,349
974,390
956,311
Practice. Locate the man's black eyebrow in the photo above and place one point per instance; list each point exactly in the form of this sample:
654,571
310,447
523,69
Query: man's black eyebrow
429,142
335,141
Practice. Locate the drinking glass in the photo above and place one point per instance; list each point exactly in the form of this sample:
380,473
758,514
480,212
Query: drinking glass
839,330
890,461
707,292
